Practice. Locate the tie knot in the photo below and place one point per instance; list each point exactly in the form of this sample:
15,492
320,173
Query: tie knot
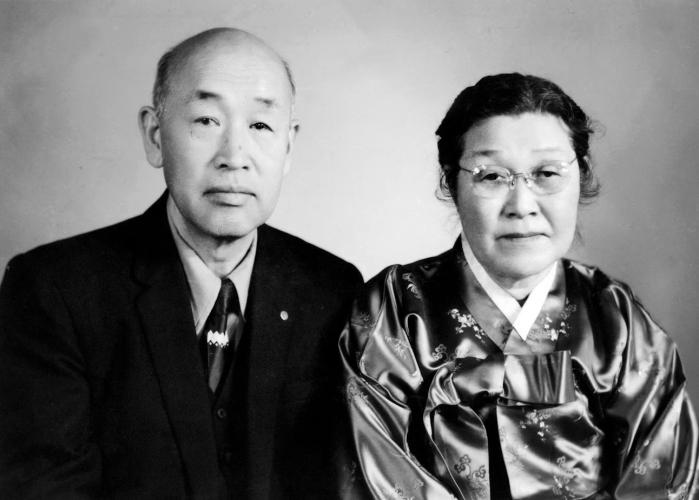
227,300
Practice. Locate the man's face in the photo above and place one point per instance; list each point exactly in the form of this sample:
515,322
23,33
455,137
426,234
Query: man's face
225,137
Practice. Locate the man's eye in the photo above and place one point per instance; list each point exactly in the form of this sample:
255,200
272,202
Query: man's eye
260,126
207,121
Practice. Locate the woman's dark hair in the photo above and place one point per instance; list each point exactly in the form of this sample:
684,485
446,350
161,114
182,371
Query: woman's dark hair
512,94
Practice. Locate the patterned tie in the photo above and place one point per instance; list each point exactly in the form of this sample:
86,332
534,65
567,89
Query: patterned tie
219,347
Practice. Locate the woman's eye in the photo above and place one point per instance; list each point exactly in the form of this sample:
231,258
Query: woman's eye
260,126
547,172
491,175
206,121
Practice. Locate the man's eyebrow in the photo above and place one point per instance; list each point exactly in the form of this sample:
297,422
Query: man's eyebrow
268,102
204,95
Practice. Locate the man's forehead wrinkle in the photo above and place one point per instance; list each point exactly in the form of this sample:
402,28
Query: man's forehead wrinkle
210,80
230,56
207,60
201,95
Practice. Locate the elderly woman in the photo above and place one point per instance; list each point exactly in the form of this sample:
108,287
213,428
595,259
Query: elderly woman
499,369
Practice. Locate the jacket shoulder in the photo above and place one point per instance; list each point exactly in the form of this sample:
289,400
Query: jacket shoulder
305,258
82,253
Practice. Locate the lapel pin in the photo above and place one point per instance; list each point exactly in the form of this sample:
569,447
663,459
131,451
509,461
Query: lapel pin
284,315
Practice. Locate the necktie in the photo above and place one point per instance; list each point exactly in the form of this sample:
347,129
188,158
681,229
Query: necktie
220,346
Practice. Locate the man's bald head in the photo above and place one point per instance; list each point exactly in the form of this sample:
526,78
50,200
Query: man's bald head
177,58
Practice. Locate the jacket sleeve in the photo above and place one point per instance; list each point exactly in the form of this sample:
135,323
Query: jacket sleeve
650,417
46,445
380,375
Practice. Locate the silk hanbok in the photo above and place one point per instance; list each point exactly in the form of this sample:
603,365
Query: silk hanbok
445,402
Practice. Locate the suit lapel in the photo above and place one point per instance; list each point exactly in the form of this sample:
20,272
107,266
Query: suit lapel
166,317
271,313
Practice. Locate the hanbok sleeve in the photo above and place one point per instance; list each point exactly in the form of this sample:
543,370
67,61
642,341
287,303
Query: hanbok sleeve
381,374
653,426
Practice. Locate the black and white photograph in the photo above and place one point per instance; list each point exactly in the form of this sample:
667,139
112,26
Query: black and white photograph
349,249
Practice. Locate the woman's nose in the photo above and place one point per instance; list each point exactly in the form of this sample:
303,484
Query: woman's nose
521,200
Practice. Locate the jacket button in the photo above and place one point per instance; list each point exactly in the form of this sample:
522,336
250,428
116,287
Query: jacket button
226,457
221,413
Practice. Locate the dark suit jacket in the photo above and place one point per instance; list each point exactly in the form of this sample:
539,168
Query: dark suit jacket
102,390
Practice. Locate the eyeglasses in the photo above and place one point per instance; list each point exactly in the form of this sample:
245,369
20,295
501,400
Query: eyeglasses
493,181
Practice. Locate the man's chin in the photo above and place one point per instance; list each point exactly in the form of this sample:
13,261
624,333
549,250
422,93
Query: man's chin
233,231
228,225
228,235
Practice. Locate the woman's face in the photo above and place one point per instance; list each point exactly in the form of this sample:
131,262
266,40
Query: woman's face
519,234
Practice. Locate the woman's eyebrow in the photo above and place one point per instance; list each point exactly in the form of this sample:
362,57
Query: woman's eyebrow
482,152
552,149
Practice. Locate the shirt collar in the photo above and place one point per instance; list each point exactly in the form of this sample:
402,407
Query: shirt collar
521,317
204,285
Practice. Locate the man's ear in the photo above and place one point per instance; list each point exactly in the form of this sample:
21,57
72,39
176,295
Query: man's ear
149,125
293,130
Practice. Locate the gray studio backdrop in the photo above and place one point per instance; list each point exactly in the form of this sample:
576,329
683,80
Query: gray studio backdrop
374,79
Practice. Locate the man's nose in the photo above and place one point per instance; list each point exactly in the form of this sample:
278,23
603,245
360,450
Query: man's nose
234,147
521,200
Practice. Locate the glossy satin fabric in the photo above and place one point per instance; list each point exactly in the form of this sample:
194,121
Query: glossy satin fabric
445,403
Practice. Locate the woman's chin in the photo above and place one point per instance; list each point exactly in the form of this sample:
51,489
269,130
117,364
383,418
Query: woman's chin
517,270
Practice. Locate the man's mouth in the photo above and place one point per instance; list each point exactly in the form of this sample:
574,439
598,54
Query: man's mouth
229,196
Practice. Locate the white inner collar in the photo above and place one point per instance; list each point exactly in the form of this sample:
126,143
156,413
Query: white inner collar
521,317
204,285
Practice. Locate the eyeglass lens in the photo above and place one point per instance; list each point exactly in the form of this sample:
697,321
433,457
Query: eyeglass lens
495,180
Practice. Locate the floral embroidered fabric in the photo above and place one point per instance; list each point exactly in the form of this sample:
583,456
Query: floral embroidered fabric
445,403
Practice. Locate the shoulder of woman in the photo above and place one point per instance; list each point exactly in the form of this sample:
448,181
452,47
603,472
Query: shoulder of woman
386,293
398,276
600,285
617,310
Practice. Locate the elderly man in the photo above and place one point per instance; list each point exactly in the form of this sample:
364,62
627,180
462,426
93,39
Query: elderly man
188,352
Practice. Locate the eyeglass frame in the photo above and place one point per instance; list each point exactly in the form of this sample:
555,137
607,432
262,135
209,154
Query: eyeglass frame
527,176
